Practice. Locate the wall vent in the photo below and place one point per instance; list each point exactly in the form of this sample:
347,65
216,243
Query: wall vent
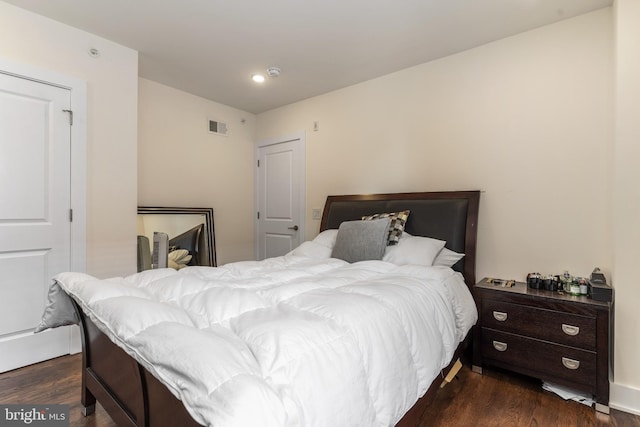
217,127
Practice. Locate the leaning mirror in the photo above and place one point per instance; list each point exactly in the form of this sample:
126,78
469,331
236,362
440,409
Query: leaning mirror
190,232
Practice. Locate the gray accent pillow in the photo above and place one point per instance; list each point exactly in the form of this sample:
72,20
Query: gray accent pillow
361,240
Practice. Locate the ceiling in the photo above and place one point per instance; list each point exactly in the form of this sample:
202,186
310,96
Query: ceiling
211,47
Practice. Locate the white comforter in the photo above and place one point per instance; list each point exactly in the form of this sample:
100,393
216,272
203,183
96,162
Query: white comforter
292,340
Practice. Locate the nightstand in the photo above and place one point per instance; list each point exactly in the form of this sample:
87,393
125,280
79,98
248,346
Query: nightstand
555,337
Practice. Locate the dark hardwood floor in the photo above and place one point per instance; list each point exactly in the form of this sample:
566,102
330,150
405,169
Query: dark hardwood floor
498,398
493,399
56,381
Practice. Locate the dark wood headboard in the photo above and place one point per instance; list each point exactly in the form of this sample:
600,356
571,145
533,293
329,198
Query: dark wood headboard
446,215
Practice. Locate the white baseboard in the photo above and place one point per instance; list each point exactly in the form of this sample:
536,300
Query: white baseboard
624,398
26,348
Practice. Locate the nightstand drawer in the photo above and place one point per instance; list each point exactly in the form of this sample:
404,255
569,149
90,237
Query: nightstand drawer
562,328
547,359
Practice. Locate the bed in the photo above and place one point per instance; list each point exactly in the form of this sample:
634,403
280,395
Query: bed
140,386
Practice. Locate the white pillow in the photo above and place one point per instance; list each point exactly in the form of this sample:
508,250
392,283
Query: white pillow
312,249
447,258
414,250
327,238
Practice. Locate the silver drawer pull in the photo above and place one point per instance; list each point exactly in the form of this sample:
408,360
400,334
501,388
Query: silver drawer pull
570,329
500,346
500,316
570,363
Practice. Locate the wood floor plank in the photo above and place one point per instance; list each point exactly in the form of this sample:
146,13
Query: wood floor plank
493,399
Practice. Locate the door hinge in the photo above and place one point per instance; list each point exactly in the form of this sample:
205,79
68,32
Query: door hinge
70,116
258,163
70,215
258,215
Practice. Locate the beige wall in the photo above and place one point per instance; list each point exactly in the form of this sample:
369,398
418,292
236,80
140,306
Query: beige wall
527,120
626,203
181,164
112,86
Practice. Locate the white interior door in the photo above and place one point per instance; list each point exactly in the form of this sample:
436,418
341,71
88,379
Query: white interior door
35,230
281,196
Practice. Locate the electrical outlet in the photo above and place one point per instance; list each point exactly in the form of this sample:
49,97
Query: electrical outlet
316,213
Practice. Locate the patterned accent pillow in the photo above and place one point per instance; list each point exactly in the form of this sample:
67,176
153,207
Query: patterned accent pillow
398,220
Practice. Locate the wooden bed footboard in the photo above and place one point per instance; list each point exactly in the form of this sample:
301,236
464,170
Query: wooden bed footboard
127,391
133,397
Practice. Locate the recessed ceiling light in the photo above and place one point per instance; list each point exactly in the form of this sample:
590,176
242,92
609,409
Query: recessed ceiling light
258,78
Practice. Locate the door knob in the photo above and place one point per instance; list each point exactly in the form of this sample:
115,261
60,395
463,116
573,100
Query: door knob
294,228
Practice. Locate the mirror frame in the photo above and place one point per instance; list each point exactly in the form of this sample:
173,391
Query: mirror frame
208,222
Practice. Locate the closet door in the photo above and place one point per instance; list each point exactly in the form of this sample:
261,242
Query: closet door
281,197
35,223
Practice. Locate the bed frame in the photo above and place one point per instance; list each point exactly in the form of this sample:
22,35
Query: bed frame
134,397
